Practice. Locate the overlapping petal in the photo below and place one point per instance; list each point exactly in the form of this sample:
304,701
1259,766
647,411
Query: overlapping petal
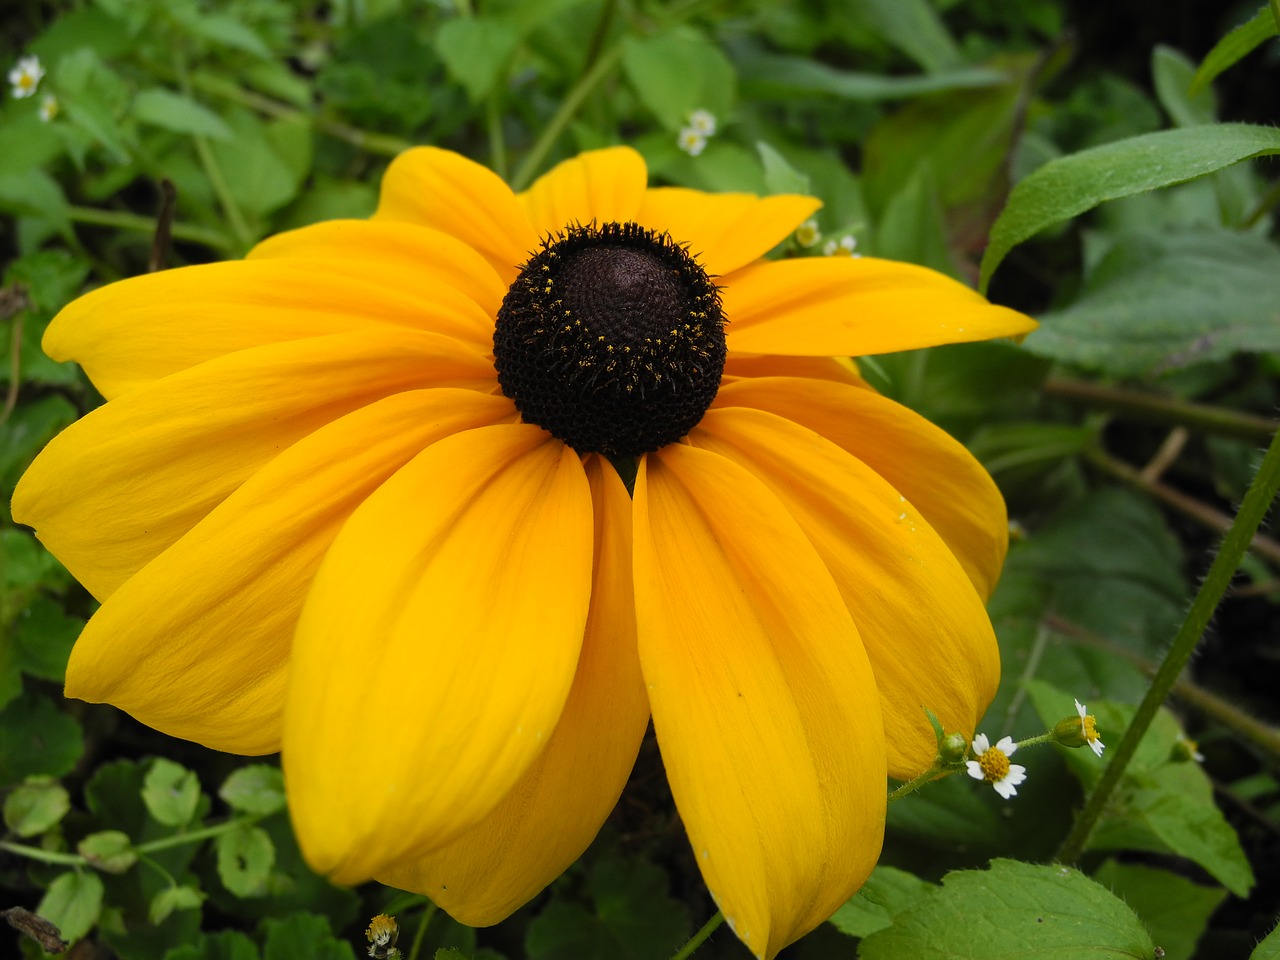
601,185
436,648
924,627
846,306
762,697
556,809
935,473
122,484
840,369
441,189
197,642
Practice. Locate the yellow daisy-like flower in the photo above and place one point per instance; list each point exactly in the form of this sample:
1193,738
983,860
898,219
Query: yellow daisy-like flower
357,498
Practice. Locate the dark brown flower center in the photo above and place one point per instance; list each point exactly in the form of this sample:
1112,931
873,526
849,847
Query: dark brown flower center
611,339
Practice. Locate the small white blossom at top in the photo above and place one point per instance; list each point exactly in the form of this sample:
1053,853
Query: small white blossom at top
1090,730
48,107
807,234
844,247
26,76
1189,748
994,767
703,122
691,141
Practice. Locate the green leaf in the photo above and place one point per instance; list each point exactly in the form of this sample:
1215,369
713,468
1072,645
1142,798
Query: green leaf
779,175
1162,301
181,114
1030,912
258,177
33,192
170,899
171,793
887,893
774,75
226,30
245,857
224,945
678,71
1235,45
73,903
914,27
1269,948
35,805
912,227
1070,185
38,738
303,935
1175,910
1172,73
476,52
109,850
43,637
256,789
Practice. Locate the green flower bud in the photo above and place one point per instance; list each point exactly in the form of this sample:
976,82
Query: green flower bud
952,748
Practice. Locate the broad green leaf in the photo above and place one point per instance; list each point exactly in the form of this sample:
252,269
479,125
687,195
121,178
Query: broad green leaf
914,27
257,789
771,75
912,227
1175,910
1161,301
1235,45
1070,185
245,857
108,850
1028,911
1018,448
181,114
1172,73
1269,948
779,175
38,738
226,30
171,793
44,635
303,935
35,805
33,192
476,52
678,71
170,899
72,903
887,893
259,179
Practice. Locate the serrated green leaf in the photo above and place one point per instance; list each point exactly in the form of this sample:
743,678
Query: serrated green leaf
1070,185
170,899
1034,913
256,789
174,111
73,903
476,52
1235,45
108,850
245,857
35,805
887,893
779,175
171,793
303,935
1172,73
1175,910
773,75
1162,301
38,738
677,71
1269,948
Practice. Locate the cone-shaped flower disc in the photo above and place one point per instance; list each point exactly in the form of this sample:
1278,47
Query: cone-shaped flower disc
359,497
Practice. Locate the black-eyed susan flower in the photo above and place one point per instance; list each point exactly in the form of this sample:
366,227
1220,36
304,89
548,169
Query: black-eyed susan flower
360,498
993,765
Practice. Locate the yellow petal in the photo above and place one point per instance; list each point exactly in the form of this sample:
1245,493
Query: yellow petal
600,185
399,254
436,648
197,643
129,334
840,369
117,487
763,700
845,306
725,231
556,809
441,189
924,627
937,475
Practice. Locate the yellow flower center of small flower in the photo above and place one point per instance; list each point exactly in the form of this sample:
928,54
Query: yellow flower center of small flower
611,339
994,764
1090,728
382,931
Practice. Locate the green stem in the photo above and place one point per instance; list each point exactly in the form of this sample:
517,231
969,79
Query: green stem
141,224
497,142
178,839
930,775
700,937
1257,500
568,108
44,856
427,915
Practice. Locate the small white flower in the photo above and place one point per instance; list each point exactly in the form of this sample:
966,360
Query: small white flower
26,76
1187,749
691,141
994,767
807,234
1090,730
703,122
844,247
48,107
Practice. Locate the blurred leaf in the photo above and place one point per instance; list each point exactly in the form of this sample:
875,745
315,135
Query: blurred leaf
33,192
1033,912
1013,447
476,51
1175,910
245,857
72,903
90,27
1235,45
181,114
173,898
887,893
678,71
914,27
226,30
779,175
38,738
1162,301
25,433
1070,185
774,75
303,935
35,805
912,227
258,178
225,945
109,850
1172,73
171,792
950,813
44,635
257,789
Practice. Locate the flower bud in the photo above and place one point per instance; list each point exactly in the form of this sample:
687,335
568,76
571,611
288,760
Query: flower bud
952,748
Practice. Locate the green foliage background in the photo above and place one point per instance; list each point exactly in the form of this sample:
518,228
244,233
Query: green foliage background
1097,166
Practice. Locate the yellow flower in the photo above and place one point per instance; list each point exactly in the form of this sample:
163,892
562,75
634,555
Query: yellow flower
318,525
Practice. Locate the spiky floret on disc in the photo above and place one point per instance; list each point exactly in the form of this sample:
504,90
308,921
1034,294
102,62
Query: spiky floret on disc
611,339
